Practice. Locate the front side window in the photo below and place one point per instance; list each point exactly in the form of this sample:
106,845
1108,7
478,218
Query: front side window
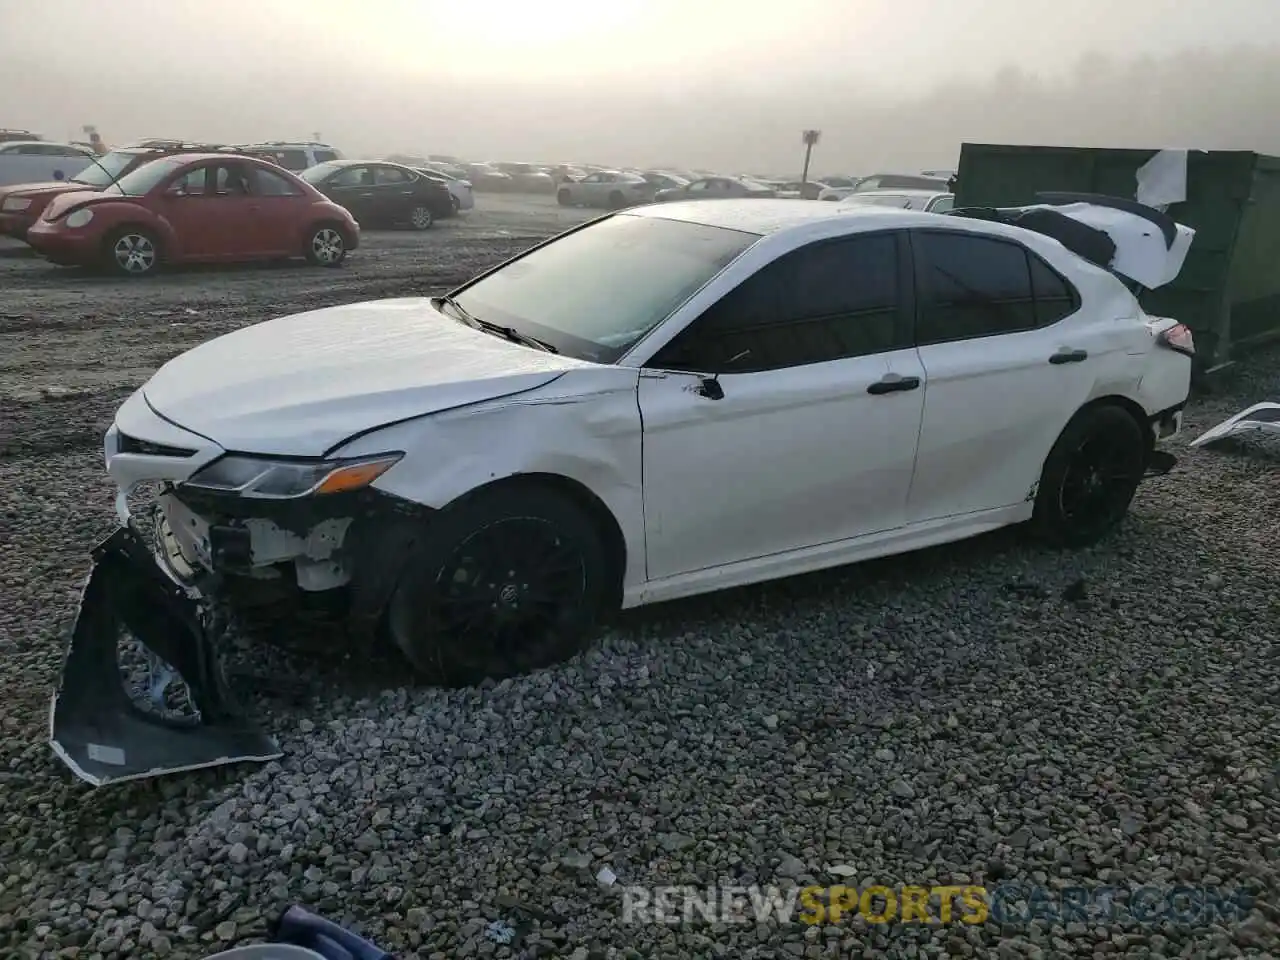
595,292
942,204
973,287
831,300
385,176
149,176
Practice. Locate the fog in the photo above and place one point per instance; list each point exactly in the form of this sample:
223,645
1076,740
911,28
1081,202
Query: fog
892,84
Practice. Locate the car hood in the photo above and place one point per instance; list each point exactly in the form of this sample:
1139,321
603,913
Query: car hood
301,385
52,188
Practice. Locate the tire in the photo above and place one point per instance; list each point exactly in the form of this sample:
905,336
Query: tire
326,245
565,198
523,528
455,204
616,200
421,218
1090,477
131,252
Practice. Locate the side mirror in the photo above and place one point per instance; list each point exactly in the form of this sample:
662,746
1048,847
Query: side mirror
711,389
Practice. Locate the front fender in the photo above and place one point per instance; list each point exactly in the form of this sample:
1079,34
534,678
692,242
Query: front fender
585,428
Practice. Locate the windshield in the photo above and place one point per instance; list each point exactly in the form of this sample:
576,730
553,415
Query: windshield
103,171
320,171
595,292
148,176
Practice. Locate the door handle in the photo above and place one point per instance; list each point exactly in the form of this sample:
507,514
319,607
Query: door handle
367,194
1069,356
893,383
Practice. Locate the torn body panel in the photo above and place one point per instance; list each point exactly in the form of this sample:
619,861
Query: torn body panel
584,429
1262,420
102,733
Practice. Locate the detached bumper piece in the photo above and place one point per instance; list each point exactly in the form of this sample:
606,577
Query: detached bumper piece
107,736
1261,422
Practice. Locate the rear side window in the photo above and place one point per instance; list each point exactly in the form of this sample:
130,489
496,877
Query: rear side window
982,287
292,159
828,301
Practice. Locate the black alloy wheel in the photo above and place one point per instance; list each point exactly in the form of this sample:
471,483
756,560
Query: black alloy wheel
507,583
1090,476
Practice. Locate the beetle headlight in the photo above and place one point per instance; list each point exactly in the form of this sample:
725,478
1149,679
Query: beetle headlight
79,218
287,479
15,204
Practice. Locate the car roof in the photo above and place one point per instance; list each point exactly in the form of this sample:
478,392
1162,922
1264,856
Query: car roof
10,144
767,216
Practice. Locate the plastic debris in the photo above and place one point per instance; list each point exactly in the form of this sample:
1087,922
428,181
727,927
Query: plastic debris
500,933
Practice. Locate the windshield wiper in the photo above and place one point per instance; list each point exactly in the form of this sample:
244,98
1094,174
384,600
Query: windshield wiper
511,333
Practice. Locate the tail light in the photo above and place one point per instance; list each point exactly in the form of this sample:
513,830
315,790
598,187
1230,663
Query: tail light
1178,338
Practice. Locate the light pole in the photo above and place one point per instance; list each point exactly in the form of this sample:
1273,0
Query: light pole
810,139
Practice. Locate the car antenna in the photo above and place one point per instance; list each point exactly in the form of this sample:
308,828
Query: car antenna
710,386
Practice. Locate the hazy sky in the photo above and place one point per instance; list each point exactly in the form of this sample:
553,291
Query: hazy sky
686,81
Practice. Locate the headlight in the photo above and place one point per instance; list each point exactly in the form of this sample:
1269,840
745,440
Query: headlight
284,479
79,218
16,204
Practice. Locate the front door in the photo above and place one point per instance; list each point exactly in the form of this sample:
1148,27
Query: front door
353,188
809,434
211,210
1004,371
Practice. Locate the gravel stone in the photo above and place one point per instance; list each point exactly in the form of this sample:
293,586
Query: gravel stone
982,712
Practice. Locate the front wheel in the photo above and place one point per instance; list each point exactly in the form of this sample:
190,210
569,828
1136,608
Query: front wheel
326,246
564,198
1090,477
507,582
132,252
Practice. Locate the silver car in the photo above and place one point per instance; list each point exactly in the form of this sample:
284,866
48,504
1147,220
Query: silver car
930,201
611,189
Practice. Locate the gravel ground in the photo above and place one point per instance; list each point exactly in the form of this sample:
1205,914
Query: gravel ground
984,712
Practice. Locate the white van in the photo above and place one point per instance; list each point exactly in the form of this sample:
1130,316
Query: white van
38,161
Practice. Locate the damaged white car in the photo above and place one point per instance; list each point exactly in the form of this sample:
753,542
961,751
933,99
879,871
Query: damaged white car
662,402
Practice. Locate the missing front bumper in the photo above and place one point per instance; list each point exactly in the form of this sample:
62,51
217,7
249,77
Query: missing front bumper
96,728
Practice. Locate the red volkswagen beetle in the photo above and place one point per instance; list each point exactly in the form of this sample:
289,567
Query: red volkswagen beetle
195,208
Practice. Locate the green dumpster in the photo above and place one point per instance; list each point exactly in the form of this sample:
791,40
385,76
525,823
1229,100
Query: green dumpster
1229,289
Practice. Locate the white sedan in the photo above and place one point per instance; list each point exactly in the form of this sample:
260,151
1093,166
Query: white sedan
663,402
611,189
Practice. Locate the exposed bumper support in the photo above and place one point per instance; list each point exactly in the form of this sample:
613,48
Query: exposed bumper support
95,728
1260,420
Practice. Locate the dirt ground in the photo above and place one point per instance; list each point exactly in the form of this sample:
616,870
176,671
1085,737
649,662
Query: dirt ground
73,344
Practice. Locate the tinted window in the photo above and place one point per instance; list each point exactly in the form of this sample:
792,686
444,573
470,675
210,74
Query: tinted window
384,176
827,301
352,177
273,185
324,156
975,287
1054,297
596,291
291,159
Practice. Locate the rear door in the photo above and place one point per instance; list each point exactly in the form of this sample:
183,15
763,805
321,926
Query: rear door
1007,362
394,194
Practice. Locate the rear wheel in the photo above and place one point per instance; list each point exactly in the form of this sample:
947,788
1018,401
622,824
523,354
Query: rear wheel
326,246
564,197
421,218
616,200
132,252
455,203
507,582
1090,477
